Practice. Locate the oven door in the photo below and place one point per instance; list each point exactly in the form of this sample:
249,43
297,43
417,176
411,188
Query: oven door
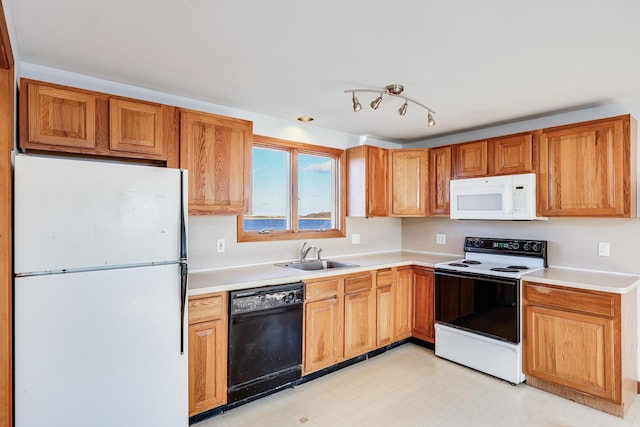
482,304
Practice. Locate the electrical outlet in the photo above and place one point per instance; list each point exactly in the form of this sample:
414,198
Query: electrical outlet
603,248
355,239
441,239
220,245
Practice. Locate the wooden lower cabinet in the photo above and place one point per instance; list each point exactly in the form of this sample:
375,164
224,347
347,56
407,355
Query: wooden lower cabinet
423,305
321,334
403,303
207,352
359,315
580,344
322,324
384,308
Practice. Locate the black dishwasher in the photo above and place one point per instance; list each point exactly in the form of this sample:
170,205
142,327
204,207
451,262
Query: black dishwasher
265,340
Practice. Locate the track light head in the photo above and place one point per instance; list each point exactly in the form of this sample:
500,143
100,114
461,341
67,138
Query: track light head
430,121
356,104
403,110
376,102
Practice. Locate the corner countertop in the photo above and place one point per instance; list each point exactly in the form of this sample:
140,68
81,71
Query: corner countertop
231,279
585,279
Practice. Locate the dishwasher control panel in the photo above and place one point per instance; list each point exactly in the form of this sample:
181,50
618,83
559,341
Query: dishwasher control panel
265,298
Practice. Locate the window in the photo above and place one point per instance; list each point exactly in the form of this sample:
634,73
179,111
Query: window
297,192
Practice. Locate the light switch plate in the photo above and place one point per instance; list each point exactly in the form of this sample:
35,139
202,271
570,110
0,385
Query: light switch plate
355,239
441,239
220,245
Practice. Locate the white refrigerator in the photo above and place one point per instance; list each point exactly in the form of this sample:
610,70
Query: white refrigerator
100,291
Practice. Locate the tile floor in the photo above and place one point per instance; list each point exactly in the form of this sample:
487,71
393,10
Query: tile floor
409,386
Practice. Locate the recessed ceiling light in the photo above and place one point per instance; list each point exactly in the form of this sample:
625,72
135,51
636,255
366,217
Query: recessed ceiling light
305,119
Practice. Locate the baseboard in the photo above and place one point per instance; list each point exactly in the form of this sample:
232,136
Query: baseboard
585,399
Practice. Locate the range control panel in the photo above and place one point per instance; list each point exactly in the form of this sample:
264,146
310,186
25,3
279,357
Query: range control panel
532,248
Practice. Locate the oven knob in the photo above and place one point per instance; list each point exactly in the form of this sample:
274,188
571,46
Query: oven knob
515,246
526,246
476,243
536,247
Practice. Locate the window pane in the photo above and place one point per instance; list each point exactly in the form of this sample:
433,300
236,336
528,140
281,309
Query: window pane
270,203
316,195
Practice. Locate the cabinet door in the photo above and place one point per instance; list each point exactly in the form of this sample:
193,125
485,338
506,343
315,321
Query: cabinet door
207,366
513,154
403,303
377,181
135,127
359,323
320,334
585,170
423,305
368,181
470,159
384,324
571,349
60,117
439,177
217,152
408,182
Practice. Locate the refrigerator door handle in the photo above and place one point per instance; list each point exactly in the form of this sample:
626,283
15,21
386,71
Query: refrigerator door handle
183,215
183,301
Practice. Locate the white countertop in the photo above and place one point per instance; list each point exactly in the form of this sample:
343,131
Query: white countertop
230,279
584,279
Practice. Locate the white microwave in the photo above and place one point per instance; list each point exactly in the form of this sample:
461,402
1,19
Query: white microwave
504,197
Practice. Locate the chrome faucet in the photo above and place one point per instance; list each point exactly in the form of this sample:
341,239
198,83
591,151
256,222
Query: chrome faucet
304,251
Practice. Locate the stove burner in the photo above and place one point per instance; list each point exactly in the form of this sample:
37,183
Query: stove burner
518,267
471,262
458,264
505,269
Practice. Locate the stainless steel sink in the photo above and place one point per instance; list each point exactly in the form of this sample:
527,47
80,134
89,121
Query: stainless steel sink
325,264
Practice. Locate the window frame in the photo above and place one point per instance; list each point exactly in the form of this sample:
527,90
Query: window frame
294,148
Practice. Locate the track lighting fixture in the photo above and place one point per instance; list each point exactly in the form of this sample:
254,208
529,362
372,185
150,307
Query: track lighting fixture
356,104
430,121
403,110
391,90
376,102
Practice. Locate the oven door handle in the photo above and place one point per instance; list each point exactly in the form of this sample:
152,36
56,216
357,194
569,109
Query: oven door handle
495,279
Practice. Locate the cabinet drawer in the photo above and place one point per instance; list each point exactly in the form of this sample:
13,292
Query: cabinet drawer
384,278
207,307
357,284
321,290
596,303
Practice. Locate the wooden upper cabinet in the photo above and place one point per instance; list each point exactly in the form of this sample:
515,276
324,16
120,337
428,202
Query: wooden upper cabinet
60,117
408,182
216,151
135,127
512,154
368,181
588,169
439,177
63,119
470,159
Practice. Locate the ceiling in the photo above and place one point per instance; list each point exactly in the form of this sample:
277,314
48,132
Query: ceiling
475,63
